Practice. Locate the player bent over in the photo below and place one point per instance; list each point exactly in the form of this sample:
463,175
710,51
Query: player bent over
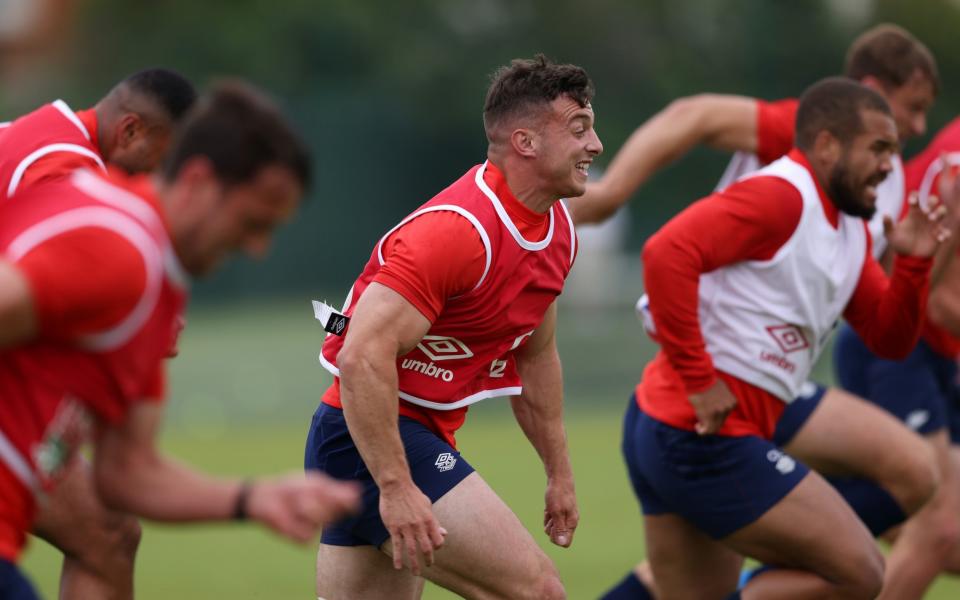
131,128
456,305
93,281
745,286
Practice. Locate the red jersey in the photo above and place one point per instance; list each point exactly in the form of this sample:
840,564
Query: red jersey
96,355
922,173
740,226
468,353
47,144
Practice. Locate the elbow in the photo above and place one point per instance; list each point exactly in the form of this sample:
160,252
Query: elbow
351,362
112,482
939,310
652,254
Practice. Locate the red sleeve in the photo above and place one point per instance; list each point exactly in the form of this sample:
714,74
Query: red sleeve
155,388
56,165
750,220
432,258
83,281
887,313
776,124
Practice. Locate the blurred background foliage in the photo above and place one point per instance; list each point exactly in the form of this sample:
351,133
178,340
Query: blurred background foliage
389,94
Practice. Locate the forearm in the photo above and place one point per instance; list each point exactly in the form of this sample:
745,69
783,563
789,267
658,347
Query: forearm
539,410
369,393
156,487
890,326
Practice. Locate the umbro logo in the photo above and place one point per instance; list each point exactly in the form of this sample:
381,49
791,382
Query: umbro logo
445,462
781,462
441,347
788,337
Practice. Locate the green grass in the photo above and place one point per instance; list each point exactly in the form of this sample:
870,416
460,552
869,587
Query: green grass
244,387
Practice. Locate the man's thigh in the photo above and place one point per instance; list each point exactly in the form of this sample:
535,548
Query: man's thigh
345,572
687,563
811,529
848,436
487,551
435,468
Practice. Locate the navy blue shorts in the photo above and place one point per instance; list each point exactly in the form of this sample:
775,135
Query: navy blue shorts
797,412
920,390
13,584
435,466
718,483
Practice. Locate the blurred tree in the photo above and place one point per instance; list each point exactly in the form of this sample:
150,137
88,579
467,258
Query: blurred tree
389,94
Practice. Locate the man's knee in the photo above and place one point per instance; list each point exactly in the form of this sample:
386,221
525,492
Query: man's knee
546,586
114,543
863,574
916,478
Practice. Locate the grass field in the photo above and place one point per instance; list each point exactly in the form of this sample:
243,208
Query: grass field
244,387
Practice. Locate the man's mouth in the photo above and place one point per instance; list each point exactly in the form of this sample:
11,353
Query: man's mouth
583,167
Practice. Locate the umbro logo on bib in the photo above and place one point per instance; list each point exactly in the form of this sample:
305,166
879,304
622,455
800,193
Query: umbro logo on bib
788,337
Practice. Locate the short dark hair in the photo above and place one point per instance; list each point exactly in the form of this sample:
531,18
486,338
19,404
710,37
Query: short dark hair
834,104
529,83
240,131
892,55
170,90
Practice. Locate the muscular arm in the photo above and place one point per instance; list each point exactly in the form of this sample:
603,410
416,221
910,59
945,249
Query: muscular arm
723,122
17,318
728,227
384,326
539,411
132,475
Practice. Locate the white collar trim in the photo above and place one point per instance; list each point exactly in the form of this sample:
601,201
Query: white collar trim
505,218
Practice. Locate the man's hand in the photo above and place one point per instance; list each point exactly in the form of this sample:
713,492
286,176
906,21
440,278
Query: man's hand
408,516
929,223
560,515
712,407
297,506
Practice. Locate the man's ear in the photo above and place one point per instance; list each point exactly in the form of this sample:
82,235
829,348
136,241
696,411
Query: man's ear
525,142
873,83
827,148
129,127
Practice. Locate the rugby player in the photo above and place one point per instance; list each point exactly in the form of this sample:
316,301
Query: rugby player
129,128
93,280
457,305
745,287
892,62
922,391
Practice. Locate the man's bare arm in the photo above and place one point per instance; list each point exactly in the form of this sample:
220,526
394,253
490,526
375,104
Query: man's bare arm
383,326
720,121
132,475
539,411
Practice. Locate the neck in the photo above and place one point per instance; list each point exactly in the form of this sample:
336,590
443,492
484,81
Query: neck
819,170
102,128
524,183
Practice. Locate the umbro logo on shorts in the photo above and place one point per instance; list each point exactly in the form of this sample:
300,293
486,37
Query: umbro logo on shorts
917,419
445,462
783,463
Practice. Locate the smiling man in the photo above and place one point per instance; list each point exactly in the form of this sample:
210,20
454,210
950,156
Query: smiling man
457,305
745,287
